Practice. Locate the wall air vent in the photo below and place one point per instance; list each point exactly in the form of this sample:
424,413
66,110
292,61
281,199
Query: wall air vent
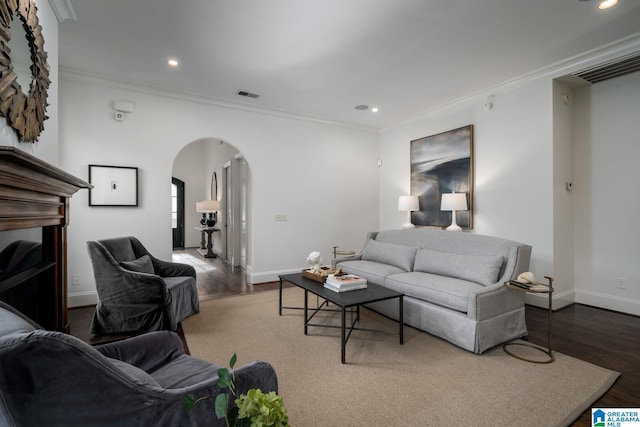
247,94
615,68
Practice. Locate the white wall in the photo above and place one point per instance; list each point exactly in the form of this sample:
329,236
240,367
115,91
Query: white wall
46,148
513,161
526,149
323,176
607,155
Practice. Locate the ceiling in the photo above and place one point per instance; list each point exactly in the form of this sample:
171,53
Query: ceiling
321,58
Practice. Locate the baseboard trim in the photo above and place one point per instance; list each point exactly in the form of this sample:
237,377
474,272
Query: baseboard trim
82,299
268,276
609,302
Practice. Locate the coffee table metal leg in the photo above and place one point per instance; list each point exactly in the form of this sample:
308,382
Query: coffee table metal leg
306,306
280,299
342,334
401,319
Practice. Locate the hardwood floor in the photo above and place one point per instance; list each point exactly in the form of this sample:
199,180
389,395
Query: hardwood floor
601,337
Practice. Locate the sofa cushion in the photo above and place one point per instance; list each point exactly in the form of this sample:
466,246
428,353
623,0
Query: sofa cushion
476,268
400,256
141,265
444,291
374,272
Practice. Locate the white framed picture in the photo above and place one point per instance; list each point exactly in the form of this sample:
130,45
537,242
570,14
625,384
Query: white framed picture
113,186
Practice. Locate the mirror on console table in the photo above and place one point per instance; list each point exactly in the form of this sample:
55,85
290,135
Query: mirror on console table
34,214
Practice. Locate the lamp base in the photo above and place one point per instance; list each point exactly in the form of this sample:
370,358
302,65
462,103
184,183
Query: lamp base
454,225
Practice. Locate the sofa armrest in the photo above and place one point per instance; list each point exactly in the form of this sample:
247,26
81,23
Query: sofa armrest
494,300
355,257
147,351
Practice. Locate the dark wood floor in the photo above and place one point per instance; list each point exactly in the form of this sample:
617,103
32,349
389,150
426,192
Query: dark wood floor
601,337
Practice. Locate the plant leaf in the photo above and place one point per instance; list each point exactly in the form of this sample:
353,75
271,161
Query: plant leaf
222,403
233,360
189,401
224,377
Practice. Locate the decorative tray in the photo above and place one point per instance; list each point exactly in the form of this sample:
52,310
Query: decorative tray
319,275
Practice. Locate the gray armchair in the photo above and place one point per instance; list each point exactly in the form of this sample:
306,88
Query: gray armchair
138,292
53,379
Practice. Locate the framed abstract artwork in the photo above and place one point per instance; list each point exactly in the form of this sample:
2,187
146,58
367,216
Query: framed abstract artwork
113,186
442,163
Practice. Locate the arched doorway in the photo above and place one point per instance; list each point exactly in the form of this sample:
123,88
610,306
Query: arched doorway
196,165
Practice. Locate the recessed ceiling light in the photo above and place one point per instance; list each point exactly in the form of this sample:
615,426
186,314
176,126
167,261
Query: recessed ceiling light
606,4
173,62
361,107
375,109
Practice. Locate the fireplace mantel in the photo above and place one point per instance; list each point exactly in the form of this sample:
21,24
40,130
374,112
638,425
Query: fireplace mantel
35,194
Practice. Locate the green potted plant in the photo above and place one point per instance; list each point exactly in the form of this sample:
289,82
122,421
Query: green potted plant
254,409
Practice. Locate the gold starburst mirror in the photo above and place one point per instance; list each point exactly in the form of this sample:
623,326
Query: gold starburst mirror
24,72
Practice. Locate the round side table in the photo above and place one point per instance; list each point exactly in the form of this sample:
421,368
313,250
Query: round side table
539,288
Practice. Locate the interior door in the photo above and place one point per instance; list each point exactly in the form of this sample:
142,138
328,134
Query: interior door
177,212
228,218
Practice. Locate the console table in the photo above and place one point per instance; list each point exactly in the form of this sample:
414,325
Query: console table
207,251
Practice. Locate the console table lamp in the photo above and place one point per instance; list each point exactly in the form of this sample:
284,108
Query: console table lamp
408,204
454,202
200,209
212,207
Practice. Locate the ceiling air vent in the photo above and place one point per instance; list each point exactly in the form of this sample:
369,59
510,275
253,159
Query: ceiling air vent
247,94
615,68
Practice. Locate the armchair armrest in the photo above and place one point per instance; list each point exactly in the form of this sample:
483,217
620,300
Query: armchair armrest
147,351
171,269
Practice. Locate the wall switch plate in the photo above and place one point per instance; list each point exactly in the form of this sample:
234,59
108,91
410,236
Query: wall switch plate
281,217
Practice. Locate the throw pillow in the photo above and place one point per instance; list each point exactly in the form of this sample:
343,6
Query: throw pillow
400,256
134,372
480,269
141,265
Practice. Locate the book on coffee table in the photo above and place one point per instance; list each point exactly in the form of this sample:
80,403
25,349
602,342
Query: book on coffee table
346,282
345,279
345,288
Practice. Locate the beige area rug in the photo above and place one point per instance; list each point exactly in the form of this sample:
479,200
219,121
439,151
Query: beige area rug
425,382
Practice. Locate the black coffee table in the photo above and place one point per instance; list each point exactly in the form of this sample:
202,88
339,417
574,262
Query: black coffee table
343,300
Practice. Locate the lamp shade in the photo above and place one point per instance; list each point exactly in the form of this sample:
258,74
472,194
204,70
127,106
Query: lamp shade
211,205
200,207
454,202
408,203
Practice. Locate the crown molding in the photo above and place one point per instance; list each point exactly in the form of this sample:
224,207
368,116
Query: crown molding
72,74
559,69
63,9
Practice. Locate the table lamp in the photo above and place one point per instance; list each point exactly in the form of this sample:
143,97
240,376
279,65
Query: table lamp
454,202
408,204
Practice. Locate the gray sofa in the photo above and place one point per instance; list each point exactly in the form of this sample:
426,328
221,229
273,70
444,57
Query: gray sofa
53,379
453,282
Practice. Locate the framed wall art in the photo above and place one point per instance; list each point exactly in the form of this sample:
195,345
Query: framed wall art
442,163
113,186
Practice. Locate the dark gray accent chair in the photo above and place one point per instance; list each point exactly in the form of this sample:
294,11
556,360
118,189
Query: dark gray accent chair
137,292
52,379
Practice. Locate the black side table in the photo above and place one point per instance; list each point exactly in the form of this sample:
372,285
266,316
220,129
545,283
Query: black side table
540,288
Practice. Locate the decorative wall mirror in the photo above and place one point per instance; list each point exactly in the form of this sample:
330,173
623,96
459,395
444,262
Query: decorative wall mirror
24,72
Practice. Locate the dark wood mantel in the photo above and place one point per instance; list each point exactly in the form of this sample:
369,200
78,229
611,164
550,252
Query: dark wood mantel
35,194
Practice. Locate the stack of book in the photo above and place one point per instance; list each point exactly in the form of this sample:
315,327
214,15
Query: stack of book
533,287
346,282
